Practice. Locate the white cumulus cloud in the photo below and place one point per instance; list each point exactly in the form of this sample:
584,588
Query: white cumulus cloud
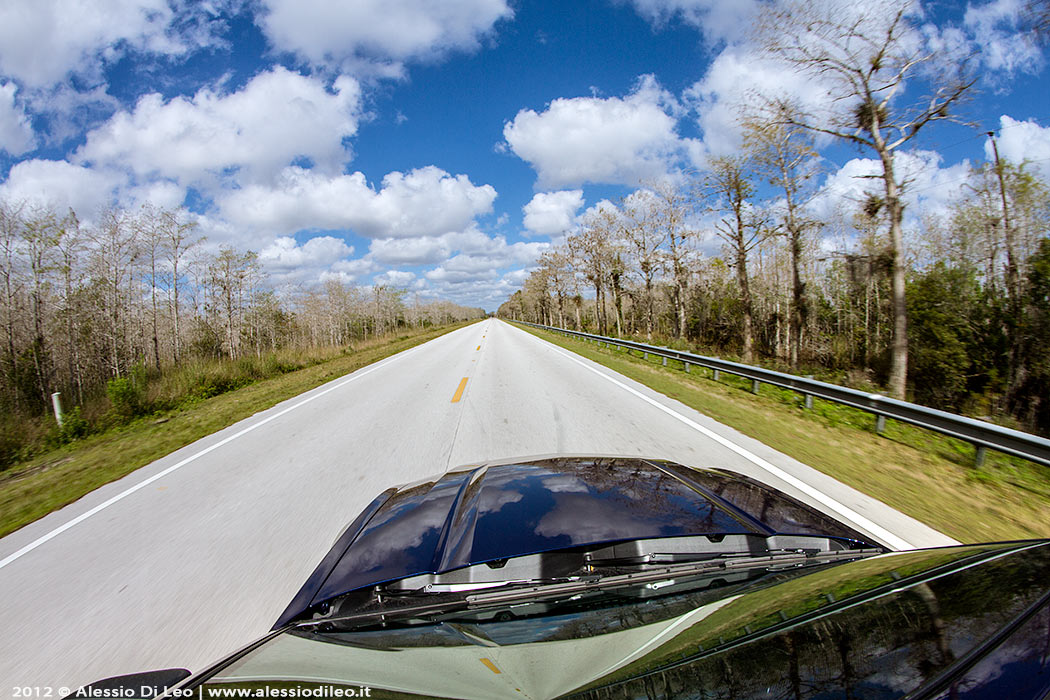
480,258
1022,140
424,250
350,271
285,254
552,213
61,185
600,140
384,31
42,41
731,85
994,26
718,20
16,133
929,186
278,117
423,202
394,278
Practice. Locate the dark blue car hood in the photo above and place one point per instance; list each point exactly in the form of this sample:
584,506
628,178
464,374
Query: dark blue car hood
489,512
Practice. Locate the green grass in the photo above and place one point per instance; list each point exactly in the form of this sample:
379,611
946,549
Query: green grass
923,474
60,476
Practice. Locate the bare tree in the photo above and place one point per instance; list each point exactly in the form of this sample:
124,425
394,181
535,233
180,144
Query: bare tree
114,254
537,294
555,262
864,55
69,248
152,238
672,206
11,222
1037,18
593,252
229,275
40,235
179,241
785,155
644,237
728,183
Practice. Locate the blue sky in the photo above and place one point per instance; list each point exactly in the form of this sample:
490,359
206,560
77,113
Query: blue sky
437,147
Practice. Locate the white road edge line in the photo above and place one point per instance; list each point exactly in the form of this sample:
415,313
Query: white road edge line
864,523
123,494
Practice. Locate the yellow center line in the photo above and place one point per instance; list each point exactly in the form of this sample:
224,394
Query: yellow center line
459,391
479,347
491,666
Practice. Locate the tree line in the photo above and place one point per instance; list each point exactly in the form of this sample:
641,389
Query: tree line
977,292
83,305
952,312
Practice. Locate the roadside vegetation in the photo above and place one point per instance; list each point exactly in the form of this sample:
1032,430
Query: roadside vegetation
146,417
154,339
134,315
946,305
925,475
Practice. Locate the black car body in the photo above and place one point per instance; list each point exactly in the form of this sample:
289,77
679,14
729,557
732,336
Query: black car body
623,577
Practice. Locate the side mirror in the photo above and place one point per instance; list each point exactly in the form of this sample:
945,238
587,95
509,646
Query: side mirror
134,686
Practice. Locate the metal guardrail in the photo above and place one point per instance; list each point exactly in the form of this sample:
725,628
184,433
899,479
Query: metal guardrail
981,434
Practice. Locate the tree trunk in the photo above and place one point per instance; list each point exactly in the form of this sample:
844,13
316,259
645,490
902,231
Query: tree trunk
153,300
176,346
648,306
679,299
898,379
745,289
798,299
598,308
748,354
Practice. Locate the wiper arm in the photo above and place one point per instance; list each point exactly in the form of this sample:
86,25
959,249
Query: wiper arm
513,592
779,560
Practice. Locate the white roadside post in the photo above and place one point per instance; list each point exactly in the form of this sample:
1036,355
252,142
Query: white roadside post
56,402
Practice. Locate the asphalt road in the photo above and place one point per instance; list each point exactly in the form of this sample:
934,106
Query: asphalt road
198,553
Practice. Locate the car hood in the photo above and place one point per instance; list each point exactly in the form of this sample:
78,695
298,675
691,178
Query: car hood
494,511
961,622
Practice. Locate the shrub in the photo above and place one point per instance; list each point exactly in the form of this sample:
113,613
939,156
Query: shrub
74,427
208,386
10,449
125,398
274,366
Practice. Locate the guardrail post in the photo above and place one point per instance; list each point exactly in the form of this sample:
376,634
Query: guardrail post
645,356
665,362
686,366
714,374
880,423
809,397
754,386
979,454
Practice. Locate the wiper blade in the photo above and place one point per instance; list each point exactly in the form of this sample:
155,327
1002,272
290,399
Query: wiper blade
775,561
514,592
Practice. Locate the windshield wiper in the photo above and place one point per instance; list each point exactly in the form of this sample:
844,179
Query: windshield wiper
688,570
423,605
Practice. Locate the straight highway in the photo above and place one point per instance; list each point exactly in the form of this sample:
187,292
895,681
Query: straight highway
197,554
